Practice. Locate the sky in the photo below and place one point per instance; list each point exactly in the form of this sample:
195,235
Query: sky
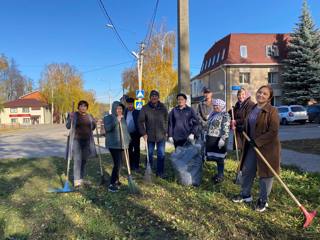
39,32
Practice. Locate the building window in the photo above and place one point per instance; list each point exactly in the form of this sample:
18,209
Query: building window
273,77
243,51
244,78
218,57
26,121
276,101
209,63
223,53
25,110
272,51
206,65
14,120
202,67
13,110
213,60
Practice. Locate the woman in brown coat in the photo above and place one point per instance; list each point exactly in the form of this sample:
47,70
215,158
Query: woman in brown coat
262,126
241,110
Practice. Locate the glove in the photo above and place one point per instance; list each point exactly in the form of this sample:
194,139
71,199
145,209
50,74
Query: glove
252,143
221,143
233,124
170,139
191,137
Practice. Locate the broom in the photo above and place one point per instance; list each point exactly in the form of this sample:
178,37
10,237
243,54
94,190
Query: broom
308,216
133,188
148,173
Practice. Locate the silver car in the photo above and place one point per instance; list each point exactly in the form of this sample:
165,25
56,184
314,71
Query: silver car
292,113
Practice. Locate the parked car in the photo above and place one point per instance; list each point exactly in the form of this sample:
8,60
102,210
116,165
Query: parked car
314,113
292,113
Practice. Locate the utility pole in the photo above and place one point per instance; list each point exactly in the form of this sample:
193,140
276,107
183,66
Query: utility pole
52,107
183,48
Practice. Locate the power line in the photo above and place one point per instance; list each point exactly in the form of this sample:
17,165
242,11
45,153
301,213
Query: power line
105,67
149,32
106,14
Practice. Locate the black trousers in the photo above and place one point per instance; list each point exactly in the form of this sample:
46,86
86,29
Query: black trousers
117,155
134,151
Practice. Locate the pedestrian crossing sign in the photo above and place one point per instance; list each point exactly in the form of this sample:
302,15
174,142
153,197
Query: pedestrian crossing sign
139,93
138,104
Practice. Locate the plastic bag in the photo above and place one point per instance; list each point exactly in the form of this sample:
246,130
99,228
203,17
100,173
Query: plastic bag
187,161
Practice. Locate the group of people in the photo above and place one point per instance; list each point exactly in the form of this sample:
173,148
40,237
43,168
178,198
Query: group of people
210,124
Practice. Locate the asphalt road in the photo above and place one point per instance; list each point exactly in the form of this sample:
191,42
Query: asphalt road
39,141
48,140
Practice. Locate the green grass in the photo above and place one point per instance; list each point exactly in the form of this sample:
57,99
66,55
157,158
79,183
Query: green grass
304,146
164,210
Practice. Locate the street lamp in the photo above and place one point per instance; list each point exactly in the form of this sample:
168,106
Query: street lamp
139,57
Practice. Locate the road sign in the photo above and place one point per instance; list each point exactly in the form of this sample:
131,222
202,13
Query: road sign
235,88
138,104
139,93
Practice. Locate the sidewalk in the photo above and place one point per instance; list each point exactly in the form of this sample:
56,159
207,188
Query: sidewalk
306,162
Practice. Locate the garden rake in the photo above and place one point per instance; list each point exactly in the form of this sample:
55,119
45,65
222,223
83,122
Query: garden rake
102,178
308,216
238,178
66,188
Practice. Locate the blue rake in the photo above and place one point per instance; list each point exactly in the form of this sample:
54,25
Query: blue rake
66,189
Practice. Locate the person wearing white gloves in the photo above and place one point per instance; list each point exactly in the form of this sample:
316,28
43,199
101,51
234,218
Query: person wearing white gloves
183,122
217,137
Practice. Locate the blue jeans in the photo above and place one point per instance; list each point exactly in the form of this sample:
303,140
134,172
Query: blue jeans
160,155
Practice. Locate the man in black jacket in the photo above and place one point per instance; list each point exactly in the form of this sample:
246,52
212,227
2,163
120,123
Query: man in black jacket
153,126
131,116
183,122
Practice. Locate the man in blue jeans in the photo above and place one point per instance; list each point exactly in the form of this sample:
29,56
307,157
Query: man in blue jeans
153,126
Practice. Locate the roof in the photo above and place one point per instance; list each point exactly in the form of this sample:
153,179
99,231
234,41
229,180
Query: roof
33,95
227,50
25,103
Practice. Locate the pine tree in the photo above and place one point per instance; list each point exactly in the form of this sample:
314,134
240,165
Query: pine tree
302,66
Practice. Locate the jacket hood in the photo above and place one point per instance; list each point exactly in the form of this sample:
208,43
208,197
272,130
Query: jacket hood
114,107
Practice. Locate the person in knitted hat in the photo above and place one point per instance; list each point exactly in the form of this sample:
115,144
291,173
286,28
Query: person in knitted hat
217,137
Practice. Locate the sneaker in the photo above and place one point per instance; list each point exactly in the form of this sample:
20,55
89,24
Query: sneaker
217,179
240,199
113,188
118,183
261,205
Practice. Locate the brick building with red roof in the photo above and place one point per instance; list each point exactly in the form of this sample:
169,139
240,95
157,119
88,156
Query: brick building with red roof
28,109
241,60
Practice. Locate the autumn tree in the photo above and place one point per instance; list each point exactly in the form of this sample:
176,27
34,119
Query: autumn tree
62,84
13,83
158,70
